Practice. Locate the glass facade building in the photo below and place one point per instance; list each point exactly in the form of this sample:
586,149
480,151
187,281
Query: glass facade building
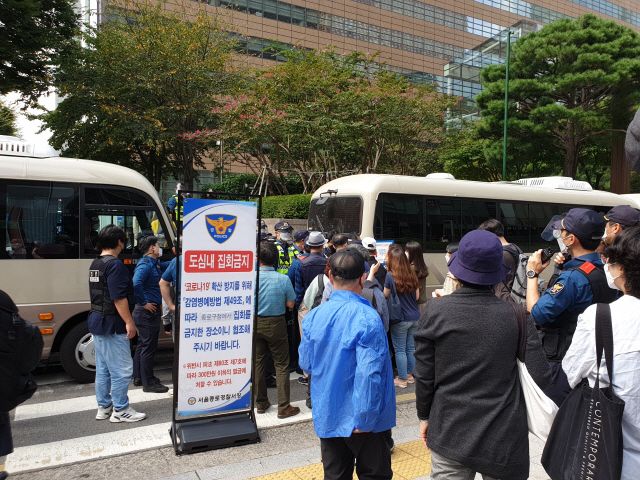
446,43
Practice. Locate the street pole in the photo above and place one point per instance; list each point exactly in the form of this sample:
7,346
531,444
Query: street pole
506,100
221,162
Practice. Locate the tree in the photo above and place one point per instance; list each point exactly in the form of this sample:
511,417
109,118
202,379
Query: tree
8,119
564,80
36,36
320,115
144,78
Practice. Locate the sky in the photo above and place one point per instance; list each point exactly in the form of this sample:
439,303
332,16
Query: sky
28,129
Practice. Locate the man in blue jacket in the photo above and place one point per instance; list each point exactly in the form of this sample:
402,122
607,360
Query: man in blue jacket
148,313
344,348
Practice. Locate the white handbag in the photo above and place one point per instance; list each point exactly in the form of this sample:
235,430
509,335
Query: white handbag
541,410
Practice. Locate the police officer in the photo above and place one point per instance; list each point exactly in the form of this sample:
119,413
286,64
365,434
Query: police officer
582,283
112,326
298,241
618,218
172,205
148,313
286,252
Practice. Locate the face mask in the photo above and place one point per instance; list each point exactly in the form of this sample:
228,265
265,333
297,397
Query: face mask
159,251
447,258
563,248
610,279
285,237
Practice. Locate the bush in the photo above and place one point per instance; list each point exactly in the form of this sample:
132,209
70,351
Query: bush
286,206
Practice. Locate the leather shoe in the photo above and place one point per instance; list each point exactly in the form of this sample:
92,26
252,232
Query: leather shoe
261,410
137,382
290,411
309,403
155,388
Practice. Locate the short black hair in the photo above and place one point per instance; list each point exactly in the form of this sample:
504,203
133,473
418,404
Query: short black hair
268,254
340,240
453,248
146,242
494,226
625,251
331,234
347,266
109,236
588,243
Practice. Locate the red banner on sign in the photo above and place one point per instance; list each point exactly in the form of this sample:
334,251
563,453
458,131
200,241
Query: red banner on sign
207,262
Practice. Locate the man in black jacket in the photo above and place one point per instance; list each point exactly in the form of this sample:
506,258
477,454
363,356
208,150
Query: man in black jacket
474,418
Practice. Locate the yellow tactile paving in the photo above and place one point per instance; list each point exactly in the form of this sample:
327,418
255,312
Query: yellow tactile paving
310,472
409,460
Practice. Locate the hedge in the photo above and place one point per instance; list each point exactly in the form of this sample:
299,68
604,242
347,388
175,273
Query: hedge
286,206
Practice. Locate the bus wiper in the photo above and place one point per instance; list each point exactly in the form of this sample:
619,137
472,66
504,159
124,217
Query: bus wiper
321,227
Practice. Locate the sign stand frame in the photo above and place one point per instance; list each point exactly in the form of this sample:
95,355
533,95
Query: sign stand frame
220,430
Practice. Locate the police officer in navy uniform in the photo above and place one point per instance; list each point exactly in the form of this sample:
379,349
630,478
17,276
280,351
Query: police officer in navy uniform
581,284
618,218
148,313
112,326
286,252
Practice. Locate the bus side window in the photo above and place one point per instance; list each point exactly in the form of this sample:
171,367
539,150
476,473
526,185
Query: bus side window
135,223
41,220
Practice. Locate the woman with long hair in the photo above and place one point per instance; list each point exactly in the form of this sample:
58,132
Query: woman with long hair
414,254
406,284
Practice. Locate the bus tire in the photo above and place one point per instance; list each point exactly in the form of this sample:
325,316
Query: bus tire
77,354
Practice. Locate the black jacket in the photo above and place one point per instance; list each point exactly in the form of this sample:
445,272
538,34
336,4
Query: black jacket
467,381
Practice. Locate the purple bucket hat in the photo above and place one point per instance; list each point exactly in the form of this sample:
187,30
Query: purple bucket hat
479,259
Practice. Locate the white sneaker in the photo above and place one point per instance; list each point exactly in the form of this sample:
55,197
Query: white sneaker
128,415
104,413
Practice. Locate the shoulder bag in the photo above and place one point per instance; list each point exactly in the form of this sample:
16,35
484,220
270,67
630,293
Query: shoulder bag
393,303
541,410
585,442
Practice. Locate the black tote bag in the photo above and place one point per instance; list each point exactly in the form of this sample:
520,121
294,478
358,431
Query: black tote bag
585,441
394,305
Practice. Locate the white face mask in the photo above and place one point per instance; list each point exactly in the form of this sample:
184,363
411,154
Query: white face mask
610,279
447,257
563,248
285,236
159,251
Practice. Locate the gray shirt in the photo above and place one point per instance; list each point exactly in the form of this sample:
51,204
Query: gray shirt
381,303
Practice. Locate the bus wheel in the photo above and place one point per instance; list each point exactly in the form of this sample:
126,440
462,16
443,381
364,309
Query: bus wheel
77,354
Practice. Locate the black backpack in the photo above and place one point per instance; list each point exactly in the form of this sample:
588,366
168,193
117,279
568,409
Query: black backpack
318,298
367,293
20,351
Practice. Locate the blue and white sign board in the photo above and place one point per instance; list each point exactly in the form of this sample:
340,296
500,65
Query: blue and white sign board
217,284
381,249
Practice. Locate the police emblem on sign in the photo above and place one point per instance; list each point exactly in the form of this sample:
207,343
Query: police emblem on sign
192,400
221,226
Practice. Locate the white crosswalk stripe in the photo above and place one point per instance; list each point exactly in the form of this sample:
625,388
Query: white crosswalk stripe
88,448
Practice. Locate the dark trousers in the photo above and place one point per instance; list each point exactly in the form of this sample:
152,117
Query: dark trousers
271,336
369,451
558,388
148,325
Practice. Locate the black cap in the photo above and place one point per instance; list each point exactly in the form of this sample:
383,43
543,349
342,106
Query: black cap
624,215
347,264
300,235
583,223
283,227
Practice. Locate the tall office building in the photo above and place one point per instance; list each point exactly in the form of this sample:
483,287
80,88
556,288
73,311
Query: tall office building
427,41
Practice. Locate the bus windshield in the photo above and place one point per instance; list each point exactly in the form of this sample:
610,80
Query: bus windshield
343,214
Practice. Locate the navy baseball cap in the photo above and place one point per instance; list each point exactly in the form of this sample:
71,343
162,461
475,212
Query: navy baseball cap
282,227
583,223
300,235
624,215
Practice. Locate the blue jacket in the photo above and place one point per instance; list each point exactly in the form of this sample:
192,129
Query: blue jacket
295,266
344,348
569,294
146,280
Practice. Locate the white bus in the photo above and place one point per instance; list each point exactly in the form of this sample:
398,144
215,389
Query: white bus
53,209
438,210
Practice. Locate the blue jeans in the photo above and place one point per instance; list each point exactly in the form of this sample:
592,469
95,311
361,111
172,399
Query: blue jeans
402,338
114,368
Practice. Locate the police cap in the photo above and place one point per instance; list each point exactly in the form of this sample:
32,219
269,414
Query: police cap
583,223
624,215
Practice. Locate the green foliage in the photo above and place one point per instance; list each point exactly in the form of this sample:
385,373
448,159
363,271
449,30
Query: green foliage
8,119
286,206
321,115
36,35
236,183
570,83
140,83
